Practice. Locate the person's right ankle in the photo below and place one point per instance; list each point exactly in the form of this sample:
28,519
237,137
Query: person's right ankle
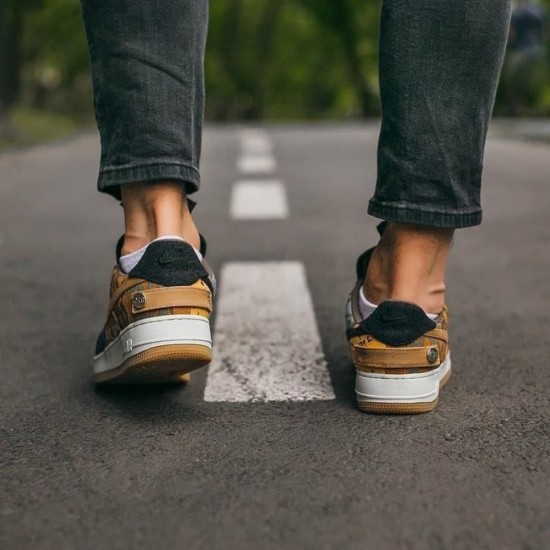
409,265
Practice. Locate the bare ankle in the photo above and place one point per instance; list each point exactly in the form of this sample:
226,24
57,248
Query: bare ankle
409,265
156,210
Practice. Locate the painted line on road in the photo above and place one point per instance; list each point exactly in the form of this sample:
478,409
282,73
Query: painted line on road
256,142
267,344
257,164
259,200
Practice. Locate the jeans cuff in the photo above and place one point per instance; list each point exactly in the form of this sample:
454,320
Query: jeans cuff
408,213
111,178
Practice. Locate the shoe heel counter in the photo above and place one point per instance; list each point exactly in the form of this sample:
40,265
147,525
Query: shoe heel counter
195,299
170,263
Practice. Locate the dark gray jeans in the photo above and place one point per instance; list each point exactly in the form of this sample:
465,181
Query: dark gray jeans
439,67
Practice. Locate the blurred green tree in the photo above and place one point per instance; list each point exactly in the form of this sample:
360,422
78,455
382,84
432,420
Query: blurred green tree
292,58
342,18
11,35
56,73
275,59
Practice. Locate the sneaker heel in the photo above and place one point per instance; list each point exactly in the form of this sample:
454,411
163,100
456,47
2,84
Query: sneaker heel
158,350
401,394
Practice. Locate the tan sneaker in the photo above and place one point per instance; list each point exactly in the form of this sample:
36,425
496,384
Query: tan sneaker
158,327
401,356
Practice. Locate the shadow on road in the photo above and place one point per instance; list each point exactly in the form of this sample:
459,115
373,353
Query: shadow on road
142,402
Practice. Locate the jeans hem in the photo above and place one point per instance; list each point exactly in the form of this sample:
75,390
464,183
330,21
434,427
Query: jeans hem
111,178
421,216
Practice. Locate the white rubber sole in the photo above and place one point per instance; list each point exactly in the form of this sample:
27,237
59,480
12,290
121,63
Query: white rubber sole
156,340
401,394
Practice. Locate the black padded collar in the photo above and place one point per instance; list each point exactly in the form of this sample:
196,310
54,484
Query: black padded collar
364,259
120,244
170,263
394,323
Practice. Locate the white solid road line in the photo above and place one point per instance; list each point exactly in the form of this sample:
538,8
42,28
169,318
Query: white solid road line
264,163
266,344
259,200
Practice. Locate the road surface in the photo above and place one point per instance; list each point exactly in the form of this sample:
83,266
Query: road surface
267,450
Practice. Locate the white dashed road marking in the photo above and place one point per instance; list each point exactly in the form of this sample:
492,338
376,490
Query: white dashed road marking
257,164
259,200
267,344
256,143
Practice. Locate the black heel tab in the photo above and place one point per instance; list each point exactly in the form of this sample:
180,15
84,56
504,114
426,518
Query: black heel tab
170,263
397,323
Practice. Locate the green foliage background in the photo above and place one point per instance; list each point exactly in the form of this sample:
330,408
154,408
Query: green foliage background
266,59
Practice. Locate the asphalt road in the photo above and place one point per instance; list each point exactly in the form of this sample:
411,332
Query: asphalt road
164,468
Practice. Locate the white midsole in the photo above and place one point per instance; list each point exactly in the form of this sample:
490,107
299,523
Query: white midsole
406,388
153,332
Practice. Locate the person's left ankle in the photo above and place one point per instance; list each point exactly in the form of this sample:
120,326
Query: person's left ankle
156,210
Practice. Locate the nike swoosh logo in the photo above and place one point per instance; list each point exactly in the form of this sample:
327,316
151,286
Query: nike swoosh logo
165,260
392,319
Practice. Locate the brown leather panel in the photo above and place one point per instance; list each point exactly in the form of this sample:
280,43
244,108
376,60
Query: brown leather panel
438,333
406,357
393,371
169,297
190,311
120,290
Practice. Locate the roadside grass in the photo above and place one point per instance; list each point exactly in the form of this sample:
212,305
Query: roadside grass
25,126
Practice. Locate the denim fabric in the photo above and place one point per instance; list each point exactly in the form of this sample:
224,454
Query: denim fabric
439,67
147,61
